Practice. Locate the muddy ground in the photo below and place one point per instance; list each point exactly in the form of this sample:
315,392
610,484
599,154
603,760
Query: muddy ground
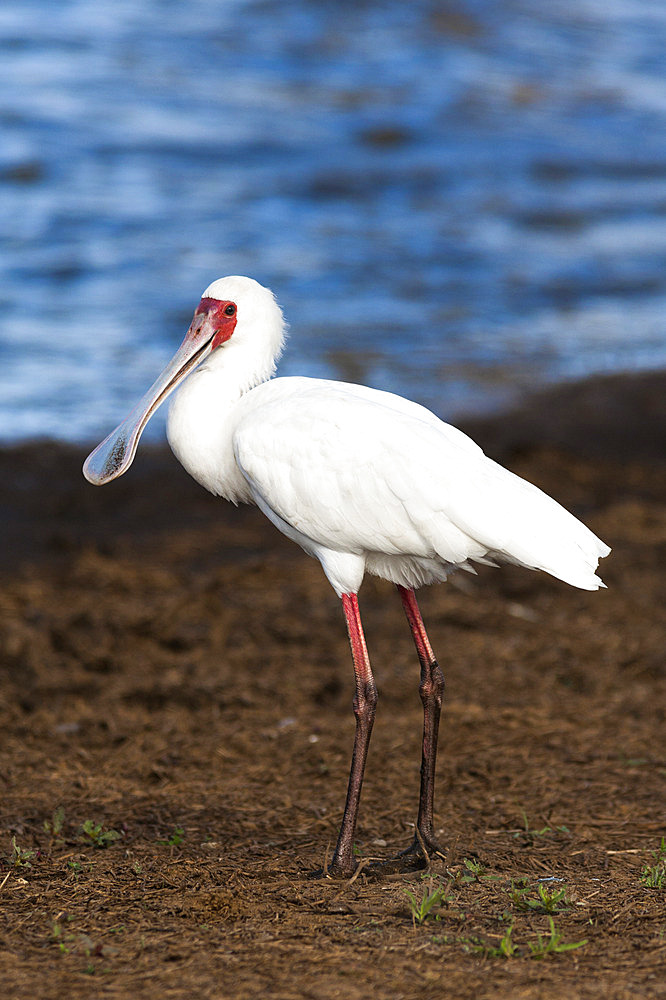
176,733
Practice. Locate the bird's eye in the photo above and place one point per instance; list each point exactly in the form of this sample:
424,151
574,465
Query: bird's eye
230,310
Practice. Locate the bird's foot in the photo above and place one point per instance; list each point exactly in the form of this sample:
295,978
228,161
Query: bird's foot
420,854
339,868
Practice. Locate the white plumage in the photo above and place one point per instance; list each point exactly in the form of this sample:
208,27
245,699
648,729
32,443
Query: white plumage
363,480
346,470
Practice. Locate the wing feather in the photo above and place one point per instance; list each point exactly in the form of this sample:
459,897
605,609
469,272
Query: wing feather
362,471
349,468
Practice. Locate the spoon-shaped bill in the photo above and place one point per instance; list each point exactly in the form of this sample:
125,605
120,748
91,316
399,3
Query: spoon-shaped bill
116,452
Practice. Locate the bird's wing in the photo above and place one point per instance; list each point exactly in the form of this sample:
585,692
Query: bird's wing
358,470
355,469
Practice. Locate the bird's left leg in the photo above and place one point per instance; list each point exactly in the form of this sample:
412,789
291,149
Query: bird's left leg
365,704
431,690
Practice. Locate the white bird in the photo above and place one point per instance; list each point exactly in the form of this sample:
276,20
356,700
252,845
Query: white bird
364,480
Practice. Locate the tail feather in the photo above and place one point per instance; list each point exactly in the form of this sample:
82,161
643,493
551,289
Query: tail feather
524,526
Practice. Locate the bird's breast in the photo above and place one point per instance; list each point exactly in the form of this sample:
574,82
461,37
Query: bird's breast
200,430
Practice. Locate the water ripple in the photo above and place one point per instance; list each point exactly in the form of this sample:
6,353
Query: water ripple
458,202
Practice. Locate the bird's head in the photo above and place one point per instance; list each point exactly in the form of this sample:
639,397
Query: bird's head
233,311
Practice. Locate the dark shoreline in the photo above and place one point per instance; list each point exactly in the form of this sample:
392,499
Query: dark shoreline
611,418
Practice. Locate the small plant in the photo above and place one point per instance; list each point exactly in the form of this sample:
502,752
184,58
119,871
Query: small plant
94,833
474,871
475,867
505,949
543,832
20,858
547,944
546,901
176,838
654,876
553,944
422,908
79,943
549,902
518,889
60,938
54,826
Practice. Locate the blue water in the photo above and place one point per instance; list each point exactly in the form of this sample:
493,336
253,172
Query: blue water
459,201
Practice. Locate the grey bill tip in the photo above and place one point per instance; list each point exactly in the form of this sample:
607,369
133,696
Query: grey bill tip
110,459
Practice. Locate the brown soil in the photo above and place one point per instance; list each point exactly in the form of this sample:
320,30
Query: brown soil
170,662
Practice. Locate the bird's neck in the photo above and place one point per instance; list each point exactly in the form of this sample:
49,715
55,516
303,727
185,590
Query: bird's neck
204,413
236,369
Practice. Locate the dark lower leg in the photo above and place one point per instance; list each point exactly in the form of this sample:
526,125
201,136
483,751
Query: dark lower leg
365,703
431,690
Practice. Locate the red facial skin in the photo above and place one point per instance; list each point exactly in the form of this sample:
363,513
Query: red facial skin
217,316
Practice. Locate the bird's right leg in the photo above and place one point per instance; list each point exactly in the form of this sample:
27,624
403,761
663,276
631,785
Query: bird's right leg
365,704
431,690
